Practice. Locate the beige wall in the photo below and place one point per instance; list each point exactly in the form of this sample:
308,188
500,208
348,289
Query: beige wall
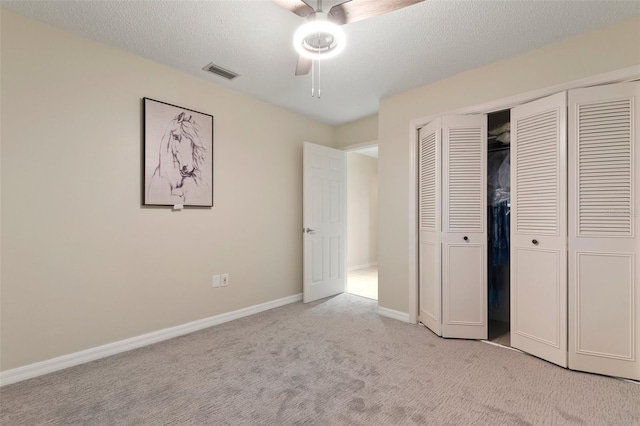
362,210
357,132
604,50
82,263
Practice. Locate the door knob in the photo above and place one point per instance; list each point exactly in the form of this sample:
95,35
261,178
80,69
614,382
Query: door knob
465,238
535,242
308,230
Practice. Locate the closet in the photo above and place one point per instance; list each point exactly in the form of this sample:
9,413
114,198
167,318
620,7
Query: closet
498,222
573,293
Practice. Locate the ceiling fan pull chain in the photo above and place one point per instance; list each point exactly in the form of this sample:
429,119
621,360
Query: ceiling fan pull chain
313,77
319,86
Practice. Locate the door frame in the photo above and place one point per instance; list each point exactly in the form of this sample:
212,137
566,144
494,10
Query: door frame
351,148
359,145
617,76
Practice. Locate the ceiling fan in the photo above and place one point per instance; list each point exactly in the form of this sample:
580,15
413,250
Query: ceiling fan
321,37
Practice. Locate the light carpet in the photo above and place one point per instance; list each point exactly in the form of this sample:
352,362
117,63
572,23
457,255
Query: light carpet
332,362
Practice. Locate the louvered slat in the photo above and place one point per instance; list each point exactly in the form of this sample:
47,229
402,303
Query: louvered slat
605,168
465,180
536,192
428,181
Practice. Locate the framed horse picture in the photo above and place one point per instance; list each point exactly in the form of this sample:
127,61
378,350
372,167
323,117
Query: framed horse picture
178,156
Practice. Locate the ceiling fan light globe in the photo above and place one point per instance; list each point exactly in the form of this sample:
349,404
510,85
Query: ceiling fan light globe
322,28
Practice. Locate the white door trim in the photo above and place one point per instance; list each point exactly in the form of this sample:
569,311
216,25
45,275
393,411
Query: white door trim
358,146
354,148
625,74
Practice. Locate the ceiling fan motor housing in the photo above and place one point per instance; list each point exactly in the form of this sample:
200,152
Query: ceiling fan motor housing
319,38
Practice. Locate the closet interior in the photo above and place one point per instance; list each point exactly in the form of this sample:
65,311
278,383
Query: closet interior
498,209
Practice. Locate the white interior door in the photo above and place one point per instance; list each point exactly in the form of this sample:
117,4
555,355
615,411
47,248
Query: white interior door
538,228
604,289
430,192
324,221
464,236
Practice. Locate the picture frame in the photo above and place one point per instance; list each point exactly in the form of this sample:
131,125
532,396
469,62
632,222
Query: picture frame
178,155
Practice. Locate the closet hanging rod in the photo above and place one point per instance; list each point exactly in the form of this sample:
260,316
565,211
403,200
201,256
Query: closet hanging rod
499,149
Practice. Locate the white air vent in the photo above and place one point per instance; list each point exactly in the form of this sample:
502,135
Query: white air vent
215,69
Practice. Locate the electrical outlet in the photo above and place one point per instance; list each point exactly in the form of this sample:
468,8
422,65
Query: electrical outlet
215,282
225,280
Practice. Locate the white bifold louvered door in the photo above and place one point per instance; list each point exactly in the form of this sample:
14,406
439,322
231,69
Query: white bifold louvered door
604,289
538,228
430,196
464,229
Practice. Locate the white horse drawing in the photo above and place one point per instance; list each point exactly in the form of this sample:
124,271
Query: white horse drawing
178,177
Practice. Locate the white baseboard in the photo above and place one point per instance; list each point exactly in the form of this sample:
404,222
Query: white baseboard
49,366
363,266
390,313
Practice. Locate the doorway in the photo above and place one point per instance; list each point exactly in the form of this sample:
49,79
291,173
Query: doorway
498,225
362,222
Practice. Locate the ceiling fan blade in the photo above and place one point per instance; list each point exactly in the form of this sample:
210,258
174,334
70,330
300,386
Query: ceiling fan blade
357,10
299,7
304,65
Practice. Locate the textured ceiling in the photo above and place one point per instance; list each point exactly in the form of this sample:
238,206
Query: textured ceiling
385,55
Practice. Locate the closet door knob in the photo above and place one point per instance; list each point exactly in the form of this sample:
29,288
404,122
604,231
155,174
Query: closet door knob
466,238
535,242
